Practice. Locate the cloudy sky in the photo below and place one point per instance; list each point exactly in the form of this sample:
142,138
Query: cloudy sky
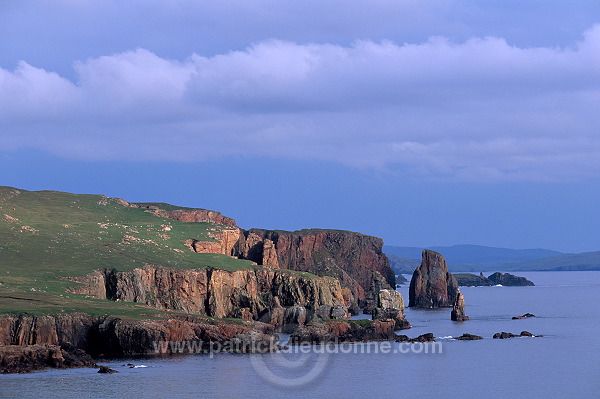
423,122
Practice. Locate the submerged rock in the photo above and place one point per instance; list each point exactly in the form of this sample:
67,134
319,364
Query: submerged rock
504,335
428,337
432,285
468,337
525,316
458,310
106,370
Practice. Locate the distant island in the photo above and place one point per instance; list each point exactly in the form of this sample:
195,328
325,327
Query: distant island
477,258
504,279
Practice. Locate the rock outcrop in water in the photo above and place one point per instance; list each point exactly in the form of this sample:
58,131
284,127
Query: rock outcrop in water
384,302
525,316
472,280
468,337
509,280
391,306
22,359
505,279
432,285
458,309
428,337
338,331
378,283
261,293
505,335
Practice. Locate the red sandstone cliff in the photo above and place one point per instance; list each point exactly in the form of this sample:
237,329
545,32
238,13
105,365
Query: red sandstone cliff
249,294
348,256
111,336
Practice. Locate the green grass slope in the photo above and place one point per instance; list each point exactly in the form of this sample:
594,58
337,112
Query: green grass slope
46,235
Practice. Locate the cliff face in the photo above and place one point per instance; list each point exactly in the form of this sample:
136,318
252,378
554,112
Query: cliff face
110,336
432,285
225,242
190,215
249,294
347,256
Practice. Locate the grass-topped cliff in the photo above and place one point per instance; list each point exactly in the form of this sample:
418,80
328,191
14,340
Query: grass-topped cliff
46,235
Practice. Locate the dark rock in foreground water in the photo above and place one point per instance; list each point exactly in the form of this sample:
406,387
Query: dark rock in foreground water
106,370
525,316
428,337
432,285
504,335
468,337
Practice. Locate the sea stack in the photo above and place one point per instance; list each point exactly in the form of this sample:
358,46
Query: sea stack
432,285
458,310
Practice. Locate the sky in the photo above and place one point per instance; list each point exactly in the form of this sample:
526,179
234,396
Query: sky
424,122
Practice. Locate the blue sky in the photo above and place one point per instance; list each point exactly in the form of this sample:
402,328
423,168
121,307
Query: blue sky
422,122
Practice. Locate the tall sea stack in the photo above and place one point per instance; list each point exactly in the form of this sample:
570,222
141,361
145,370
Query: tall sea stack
432,285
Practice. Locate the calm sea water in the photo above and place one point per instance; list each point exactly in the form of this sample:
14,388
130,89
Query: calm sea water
564,363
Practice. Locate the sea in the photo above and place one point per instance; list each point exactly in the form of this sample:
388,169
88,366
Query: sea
562,361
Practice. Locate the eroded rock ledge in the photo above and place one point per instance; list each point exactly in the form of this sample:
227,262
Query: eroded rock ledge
271,295
108,336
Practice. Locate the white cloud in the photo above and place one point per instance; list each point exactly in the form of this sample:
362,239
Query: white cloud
478,110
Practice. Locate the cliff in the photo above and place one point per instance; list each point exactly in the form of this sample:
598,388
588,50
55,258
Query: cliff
249,294
196,262
111,337
183,214
348,256
432,285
